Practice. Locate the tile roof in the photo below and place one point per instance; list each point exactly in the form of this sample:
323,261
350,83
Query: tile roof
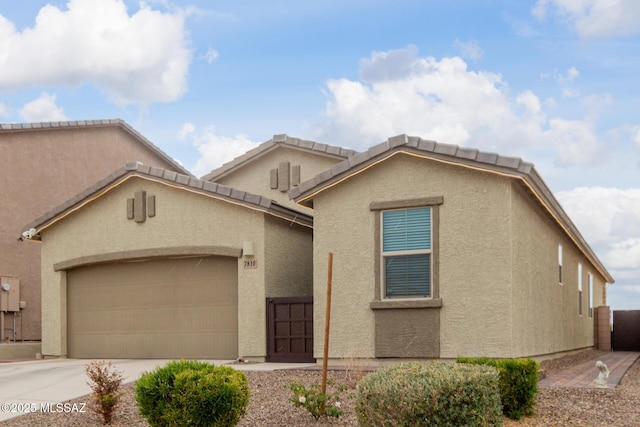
512,167
435,150
278,141
18,127
188,182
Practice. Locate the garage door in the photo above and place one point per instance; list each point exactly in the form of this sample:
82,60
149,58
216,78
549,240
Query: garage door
162,308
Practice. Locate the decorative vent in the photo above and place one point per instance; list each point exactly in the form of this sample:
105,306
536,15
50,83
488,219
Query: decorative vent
141,206
283,176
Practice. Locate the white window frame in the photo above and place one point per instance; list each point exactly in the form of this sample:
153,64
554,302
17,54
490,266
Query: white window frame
580,289
560,264
383,254
590,295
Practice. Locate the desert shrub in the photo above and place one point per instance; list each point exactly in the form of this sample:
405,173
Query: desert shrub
315,401
105,382
433,394
191,393
518,383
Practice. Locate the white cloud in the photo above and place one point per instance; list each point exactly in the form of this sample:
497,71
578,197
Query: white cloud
609,218
593,18
3,110
625,254
389,65
186,130
530,101
445,101
469,50
43,109
575,142
211,56
140,58
215,149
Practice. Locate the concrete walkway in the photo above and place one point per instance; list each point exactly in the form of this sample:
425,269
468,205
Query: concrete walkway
584,374
30,385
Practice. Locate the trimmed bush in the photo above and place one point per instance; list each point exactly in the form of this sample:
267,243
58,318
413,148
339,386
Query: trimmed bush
191,393
518,383
433,394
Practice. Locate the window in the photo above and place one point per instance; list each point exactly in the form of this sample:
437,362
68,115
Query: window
590,295
580,289
407,253
560,264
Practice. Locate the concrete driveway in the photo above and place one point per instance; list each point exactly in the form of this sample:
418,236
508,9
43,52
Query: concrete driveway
28,386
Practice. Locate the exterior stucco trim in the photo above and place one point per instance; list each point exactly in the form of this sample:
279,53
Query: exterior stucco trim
181,251
395,304
410,203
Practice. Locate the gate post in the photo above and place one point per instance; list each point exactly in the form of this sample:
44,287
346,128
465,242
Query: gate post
602,325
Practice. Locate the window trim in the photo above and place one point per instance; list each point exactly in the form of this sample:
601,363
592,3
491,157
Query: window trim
580,289
560,264
590,294
377,208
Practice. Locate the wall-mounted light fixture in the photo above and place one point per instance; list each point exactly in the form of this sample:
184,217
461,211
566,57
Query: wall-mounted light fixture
248,249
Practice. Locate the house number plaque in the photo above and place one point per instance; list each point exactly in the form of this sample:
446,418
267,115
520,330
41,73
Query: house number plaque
250,263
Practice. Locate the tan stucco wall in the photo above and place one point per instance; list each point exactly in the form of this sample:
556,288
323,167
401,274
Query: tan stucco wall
254,177
546,318
289,259
182,219
40,170
475,273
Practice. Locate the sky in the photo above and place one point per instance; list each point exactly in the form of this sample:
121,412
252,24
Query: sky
555,82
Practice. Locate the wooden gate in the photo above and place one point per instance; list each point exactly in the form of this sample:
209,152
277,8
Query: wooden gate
290,329
626,330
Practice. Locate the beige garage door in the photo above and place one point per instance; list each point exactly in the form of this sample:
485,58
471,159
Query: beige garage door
162,308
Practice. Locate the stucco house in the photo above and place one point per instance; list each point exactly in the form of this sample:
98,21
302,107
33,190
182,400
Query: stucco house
43,164
148,263
439,251
442,251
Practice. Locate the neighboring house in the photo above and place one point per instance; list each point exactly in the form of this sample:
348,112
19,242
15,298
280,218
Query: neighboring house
441,251
43,164
152,264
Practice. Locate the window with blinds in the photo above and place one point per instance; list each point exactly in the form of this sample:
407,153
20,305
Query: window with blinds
407,253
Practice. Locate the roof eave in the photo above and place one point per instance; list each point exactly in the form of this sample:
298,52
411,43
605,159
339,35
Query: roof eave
277,141
450,154
174,179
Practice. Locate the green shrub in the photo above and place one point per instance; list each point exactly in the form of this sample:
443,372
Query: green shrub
518,383
191,393
433,394
315,401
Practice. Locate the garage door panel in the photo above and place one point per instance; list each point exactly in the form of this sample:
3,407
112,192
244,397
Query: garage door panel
169,308
150,346
200,319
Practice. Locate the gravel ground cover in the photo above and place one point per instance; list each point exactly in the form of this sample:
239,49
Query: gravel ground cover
270,406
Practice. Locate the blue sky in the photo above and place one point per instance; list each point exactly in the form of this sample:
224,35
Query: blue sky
555,82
